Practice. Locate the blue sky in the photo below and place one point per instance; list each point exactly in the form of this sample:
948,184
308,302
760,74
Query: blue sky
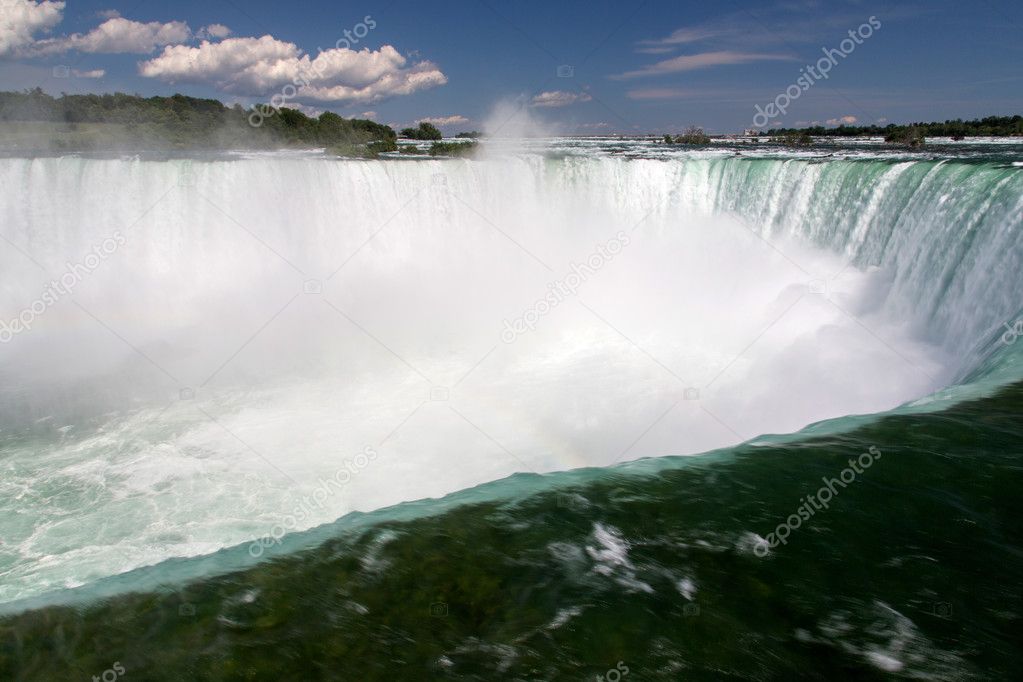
632,66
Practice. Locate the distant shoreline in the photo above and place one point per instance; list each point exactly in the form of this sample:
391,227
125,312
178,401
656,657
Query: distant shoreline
32,121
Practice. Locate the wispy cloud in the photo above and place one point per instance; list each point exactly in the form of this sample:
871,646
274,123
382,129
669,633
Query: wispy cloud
444,120
786,24
687,35
659,93
842,120
703,60
704,94
655,50
558,98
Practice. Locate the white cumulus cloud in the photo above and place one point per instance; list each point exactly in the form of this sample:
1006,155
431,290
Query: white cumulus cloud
558,98
119,35
20,20
213,31
844,120
261,66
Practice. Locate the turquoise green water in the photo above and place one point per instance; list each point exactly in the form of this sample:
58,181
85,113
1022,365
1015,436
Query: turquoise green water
913,571
775,559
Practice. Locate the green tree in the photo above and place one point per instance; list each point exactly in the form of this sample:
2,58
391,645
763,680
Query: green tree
693,135
910,136
425,131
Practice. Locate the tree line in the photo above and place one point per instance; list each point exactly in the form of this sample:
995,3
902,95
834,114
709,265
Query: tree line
990,126
180,121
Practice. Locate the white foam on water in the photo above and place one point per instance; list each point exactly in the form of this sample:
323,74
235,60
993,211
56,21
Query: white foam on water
220,376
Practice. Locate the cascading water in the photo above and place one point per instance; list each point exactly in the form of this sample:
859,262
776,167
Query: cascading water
254,326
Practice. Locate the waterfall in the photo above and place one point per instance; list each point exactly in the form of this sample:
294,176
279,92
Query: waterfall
193,347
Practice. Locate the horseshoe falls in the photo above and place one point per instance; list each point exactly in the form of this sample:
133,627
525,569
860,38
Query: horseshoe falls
599,377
